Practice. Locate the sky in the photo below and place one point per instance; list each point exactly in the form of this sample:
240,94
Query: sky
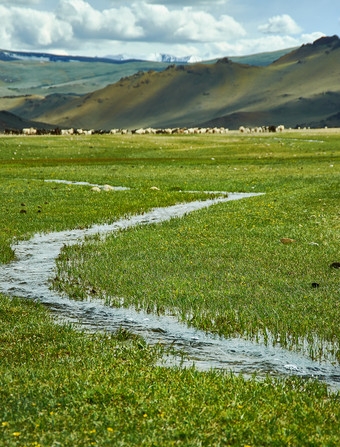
204,29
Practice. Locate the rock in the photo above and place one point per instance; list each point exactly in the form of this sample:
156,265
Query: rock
291,367
107,188
335,265
287,240
95,189
154,188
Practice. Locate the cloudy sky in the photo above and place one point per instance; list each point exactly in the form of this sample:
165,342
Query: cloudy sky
143,28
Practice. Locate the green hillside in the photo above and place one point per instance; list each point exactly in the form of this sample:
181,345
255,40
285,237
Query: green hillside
43,78
291,91
300,88
35,74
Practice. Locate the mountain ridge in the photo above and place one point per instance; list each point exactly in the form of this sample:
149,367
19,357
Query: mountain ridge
299,87
10,55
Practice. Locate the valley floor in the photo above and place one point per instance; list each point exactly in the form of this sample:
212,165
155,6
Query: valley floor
224,270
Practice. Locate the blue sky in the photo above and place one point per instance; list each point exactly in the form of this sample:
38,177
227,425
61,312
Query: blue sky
144,28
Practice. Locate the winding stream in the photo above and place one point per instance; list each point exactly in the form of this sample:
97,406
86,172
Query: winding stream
28,276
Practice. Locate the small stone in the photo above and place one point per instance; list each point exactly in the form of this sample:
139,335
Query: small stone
335,265
287,240
313,243
154,188
95,189
108,188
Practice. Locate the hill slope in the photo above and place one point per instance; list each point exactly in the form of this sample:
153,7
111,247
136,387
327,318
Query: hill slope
300,87
42,77
23,73
10,121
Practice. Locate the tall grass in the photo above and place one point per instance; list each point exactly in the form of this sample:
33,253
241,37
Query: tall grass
222,269
225,269
59,386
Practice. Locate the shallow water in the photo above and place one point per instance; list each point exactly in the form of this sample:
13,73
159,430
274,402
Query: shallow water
300,139
67,182
28,276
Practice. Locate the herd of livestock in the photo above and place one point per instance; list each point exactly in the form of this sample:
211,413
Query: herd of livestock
141,131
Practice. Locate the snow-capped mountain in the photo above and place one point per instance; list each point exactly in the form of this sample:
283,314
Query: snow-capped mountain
174,59
158,57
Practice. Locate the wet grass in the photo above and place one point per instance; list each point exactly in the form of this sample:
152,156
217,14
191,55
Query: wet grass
59,386
29,205
223,269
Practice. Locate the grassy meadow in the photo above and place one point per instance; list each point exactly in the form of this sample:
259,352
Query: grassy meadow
223,269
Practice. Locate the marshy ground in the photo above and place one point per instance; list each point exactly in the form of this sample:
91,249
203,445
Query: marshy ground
223,270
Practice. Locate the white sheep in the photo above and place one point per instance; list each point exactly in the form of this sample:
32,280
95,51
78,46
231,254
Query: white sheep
29,131
67,131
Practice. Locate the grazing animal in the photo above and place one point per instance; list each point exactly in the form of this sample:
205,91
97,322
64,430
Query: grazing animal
29,131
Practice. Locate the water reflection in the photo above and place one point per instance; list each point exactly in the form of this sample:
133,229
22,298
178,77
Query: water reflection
28,276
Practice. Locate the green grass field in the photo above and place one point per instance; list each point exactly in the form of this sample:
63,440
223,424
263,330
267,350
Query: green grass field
222,269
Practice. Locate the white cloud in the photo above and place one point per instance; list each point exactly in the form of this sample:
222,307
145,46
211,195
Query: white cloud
252,46
184,25
189,2
20,2
29,28
282,24
89,23
175,3
259,45
309,38
140,28
77,25
149,23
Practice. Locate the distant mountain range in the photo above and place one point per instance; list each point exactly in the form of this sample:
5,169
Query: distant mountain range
299,87
23,73
11,56
168,58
